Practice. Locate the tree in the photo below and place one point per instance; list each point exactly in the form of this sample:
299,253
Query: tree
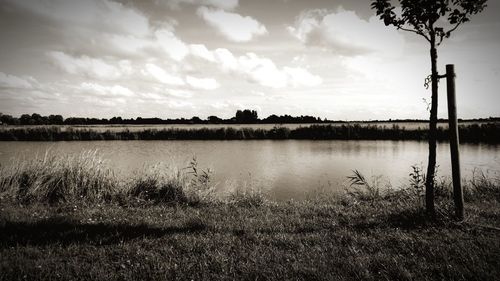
434,20
26,119
56,119
246,116
214,119
196,120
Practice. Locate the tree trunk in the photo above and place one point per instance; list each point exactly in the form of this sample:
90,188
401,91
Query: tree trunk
431,166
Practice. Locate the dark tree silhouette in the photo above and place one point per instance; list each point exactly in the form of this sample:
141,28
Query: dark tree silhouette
434,20
214,120
246,116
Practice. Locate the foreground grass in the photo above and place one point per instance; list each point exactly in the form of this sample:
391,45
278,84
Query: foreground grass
154,228
299,241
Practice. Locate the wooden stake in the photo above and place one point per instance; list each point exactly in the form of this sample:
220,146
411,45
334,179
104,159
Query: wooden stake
454,142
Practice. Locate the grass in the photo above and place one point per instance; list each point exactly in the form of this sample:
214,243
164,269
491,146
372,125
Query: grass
165,224
484,132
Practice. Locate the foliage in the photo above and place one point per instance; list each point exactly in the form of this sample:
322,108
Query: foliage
420,16
246,116
417,180
364,189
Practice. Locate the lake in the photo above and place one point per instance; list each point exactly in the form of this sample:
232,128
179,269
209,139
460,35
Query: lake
286,169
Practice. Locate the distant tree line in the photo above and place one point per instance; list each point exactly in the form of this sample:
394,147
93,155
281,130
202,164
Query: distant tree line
241,117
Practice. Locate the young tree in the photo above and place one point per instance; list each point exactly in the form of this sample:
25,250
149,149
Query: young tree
434,20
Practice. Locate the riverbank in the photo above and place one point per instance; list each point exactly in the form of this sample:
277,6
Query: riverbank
66,218
475,132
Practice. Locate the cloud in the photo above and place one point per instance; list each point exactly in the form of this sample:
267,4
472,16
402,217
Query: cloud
202,83
263,71
129,45
179,93
233,26
162,76
222,4
14,82
90,67
106,91
201,51
301,77
179,104
172,45
345,33
102,15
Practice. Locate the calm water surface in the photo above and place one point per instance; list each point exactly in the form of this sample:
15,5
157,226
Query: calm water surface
287,169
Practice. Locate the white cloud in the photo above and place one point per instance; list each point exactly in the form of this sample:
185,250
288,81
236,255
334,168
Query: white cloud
222,4
128,44
233,26
301,77
200,50
346,33
106,91
180,93
86,66
162,76
263,70
15,82
226,59
172,45
180,104
202,83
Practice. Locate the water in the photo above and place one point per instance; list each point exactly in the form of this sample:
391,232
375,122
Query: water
286,169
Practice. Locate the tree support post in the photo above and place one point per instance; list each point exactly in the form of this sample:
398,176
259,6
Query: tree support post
454,142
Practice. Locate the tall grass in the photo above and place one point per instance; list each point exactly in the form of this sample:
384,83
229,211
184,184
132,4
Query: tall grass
487,132
478,187
55,178
85,177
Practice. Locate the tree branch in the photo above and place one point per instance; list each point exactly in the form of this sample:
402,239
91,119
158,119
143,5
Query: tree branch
414,31
451,30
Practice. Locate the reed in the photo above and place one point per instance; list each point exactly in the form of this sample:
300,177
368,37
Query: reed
55,178
486,132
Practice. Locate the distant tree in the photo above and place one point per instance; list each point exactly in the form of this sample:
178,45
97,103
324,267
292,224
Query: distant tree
26,119
38,119
246,116
434,20
214,119
116,120
9,120
196,120
56,119
75,121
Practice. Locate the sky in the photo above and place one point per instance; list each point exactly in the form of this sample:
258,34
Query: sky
182,58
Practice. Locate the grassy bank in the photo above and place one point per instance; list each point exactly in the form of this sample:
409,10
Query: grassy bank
485,132
65,218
